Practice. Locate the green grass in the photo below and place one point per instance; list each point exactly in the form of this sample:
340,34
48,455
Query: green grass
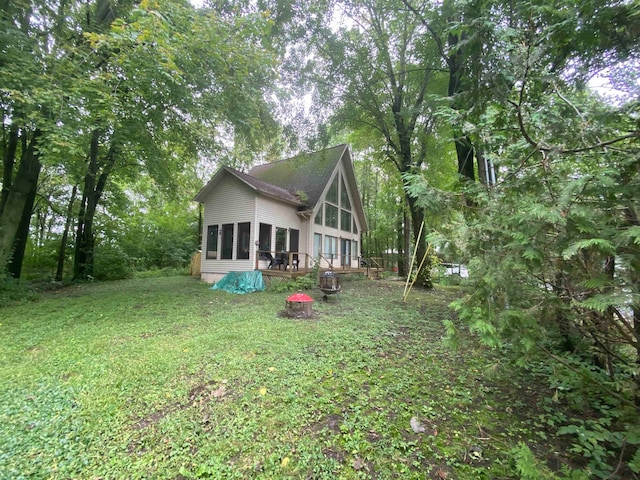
165,378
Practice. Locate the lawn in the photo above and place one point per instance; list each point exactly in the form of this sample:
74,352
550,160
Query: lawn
165,378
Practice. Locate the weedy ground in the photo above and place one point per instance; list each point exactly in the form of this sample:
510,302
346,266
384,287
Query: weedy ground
165,378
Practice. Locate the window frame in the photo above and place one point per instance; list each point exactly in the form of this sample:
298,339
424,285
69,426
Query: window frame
317,245
264,237
331,215
345,218
212,237
226,244
243,246
281,243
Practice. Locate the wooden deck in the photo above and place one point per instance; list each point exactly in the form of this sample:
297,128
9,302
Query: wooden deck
289,273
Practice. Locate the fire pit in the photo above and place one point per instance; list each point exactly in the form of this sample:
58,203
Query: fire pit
299,305
330,283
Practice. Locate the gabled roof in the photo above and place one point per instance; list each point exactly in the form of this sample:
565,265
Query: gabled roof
253,183
305,175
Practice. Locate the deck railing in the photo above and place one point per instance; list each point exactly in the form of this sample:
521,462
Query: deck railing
376,263
302,260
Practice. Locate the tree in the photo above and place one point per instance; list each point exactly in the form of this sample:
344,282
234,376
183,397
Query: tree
172,76
114,88
383,201
462,33
379,75
553,246
28,95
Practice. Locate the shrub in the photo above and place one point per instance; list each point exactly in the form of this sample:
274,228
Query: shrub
111,263
278,285
14,292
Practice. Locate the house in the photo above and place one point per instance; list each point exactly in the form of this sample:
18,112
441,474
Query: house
288,214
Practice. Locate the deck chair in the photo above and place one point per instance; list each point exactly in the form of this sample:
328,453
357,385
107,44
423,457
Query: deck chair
268,256
281,259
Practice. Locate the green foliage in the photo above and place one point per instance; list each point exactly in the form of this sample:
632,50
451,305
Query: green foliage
552,247
147,89
112,263
41,260
171,379
305,282
530,468
163,237
14,292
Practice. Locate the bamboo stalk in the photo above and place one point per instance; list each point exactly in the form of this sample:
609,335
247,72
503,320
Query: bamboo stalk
424,257
413,258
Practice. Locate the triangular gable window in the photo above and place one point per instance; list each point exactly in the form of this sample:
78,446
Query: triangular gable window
337,207
332,193
344,196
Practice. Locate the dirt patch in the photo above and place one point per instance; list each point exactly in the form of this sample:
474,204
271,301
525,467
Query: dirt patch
329,423
334,454
200,394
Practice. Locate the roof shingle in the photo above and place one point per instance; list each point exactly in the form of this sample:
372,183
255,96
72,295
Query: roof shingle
305,176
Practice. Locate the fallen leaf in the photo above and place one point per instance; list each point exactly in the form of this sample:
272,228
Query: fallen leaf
271,369
285,462
442,474
263,391
358,463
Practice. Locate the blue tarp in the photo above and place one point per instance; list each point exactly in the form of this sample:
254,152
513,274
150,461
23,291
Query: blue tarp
240,282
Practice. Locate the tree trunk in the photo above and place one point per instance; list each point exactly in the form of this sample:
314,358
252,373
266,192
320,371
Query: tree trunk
423,276
17,198
14,267
65,235
85,241
464,147
94,183
8,162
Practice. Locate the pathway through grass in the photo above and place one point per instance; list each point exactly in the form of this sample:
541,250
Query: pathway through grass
165,378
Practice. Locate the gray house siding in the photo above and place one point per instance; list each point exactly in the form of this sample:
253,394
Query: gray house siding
230,203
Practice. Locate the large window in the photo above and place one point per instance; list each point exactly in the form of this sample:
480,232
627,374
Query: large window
331,215
212,242
344,196
337,206
318,218
345,250
332,193
345,220
317,245
244,240
227,241
330,247
294,240
265,237
281,239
